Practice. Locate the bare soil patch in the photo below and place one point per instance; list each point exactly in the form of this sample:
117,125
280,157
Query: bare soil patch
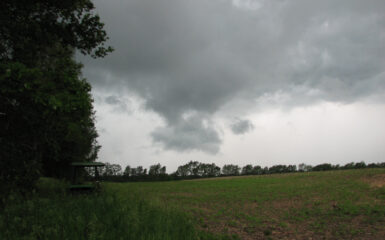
375,180
271,225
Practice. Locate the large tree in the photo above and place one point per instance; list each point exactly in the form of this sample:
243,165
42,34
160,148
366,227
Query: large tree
29,29
46,113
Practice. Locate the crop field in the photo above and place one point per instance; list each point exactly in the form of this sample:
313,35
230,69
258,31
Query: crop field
346,204
318,205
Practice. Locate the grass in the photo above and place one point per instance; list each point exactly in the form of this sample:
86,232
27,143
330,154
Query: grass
52,214
332,205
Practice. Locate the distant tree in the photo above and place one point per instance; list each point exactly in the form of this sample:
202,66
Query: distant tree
127,171
106,170
247,170
133,172
208,170
373,165
348,165
336,167
190,169
304,167
308,168
182,171
214,170
291,168
323,167
201,170
360,165
301,167
257,170
230,169
265,170
138,171
282,168
197,169
193,167
116,169
111,170
154,169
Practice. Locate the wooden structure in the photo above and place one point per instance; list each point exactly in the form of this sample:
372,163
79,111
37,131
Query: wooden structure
76,184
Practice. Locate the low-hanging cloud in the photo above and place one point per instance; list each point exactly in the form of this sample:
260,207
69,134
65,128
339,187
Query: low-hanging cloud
194,132
185,56
119,104
241,126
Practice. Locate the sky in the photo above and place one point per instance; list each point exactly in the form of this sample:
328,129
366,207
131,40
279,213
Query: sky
240,82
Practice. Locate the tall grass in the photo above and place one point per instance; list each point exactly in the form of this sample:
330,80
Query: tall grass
52,214
332,205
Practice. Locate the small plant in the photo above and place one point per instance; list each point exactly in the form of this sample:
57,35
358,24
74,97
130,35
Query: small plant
267,232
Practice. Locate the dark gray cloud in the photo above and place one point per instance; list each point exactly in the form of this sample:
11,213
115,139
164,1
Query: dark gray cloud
119,103
182,56
194,132
113,100
241,126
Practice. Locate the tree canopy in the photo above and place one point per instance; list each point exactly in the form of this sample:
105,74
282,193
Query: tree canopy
46,112
29,29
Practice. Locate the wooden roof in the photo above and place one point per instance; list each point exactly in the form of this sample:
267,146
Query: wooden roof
87,164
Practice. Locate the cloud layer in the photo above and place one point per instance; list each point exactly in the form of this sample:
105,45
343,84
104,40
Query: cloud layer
197,58
241,126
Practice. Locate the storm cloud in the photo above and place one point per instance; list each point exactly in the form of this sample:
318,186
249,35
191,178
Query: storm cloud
119,103
199,57
241,126
193,132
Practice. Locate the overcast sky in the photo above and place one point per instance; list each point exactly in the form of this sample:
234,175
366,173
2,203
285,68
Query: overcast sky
263,82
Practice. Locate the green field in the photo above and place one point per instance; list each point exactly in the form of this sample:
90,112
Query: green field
346,204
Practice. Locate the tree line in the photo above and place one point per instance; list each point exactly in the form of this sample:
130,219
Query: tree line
195,169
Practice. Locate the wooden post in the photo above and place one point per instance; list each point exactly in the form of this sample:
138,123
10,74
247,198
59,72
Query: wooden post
96,173
74,175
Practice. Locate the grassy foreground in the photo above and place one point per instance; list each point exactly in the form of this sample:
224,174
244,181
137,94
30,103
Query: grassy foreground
52,214
346,204
333,205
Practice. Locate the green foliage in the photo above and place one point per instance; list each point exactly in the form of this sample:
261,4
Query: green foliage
46,115
156,170
282,169
197,169
230,169
29,29
50,187
247,170
111,170
127,171
323,167
46,112
20,164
